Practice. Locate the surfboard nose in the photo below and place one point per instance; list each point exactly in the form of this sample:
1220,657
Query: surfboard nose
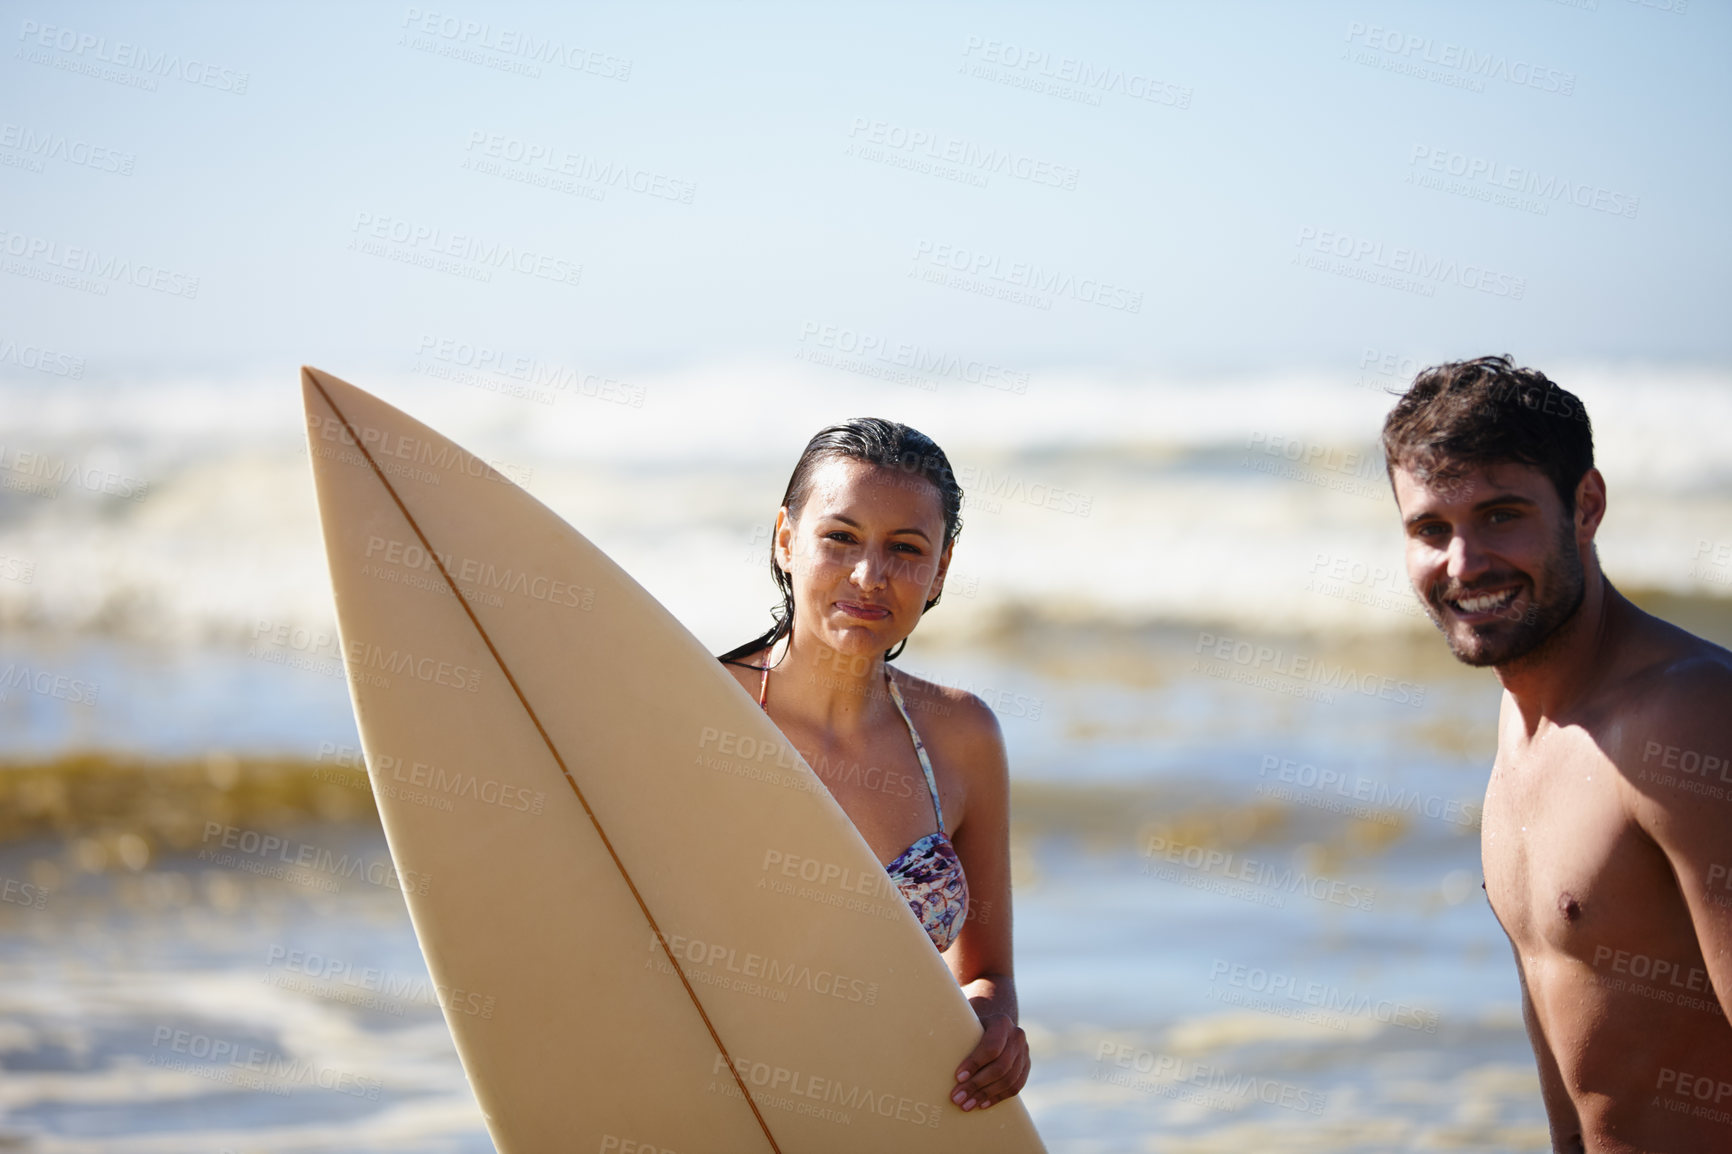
310,387
312,380
326,395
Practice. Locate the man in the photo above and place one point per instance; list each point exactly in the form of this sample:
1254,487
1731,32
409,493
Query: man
1607,831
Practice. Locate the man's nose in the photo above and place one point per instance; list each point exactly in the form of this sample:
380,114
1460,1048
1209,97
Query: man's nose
1467,560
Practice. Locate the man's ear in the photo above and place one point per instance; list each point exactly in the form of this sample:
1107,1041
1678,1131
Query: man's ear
1590,505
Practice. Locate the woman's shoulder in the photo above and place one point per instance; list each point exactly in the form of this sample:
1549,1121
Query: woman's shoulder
957,717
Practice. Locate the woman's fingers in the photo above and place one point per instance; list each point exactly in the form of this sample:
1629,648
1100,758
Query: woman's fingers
1010,1084
996,1069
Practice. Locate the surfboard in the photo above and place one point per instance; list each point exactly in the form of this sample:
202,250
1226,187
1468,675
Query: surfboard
651,928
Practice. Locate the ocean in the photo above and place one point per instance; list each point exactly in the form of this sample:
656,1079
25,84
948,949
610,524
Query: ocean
1246,773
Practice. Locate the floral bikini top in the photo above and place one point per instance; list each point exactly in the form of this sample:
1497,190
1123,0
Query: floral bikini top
928,873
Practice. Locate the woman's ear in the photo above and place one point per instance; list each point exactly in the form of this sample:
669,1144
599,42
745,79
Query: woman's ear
943,568
782,541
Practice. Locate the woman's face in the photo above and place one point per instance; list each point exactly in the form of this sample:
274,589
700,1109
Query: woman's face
866,554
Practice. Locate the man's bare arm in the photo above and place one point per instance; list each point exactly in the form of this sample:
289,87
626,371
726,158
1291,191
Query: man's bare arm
1692,725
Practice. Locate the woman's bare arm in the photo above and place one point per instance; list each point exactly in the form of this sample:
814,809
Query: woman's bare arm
981,955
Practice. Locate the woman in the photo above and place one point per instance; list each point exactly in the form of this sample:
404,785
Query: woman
860,549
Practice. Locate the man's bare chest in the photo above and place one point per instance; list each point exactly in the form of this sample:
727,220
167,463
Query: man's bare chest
1565,864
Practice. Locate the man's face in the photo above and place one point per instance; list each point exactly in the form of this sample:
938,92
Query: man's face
1493,556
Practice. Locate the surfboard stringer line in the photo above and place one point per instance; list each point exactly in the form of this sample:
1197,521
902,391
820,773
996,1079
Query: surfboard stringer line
552,749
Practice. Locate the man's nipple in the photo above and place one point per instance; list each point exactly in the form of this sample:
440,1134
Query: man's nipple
1569,906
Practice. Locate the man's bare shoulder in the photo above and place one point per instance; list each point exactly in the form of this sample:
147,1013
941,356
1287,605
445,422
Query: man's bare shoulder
1667,726
1681,687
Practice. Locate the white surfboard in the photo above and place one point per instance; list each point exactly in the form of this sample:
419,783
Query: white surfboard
651,927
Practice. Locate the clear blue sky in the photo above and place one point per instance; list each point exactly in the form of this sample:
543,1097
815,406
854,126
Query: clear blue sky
1194,153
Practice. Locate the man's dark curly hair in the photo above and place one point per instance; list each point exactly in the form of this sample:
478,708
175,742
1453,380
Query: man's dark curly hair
1486,411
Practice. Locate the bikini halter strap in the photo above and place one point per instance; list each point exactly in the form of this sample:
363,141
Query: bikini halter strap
895,696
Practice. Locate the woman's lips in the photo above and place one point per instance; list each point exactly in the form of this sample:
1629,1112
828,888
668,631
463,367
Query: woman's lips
864,612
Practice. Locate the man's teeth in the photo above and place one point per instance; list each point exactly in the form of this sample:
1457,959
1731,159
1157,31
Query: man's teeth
1485,602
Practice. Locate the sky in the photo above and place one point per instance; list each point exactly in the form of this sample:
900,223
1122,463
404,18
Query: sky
1184,188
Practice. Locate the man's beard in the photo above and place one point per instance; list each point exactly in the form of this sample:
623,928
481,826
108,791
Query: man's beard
1563,584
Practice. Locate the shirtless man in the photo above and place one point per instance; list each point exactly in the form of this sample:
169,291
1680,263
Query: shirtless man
1607,830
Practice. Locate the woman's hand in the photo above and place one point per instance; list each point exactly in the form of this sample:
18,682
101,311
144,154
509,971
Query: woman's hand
998,1066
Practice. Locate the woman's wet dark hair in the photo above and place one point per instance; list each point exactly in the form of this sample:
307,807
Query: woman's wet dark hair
886,444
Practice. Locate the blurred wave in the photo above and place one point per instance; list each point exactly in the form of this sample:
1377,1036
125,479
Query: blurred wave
182,512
